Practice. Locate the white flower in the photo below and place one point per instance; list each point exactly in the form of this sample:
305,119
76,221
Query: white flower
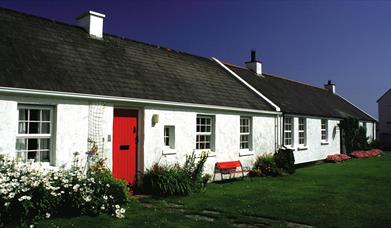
47,215
107,185
87,199
6,204
102,207
117,206
105,197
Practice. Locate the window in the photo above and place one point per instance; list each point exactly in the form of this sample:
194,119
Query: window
324,130
169,136
288,131
245,132
302,130
204,134
33,140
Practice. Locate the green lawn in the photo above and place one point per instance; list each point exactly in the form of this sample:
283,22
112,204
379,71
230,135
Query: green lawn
355,193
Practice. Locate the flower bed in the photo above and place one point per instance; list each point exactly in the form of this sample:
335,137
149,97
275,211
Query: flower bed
29,192
366,154
338,158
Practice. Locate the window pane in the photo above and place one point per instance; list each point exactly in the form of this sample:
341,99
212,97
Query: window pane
44,144
34,114
33,127
21,144
21,156
22,128
32,155
45,115
23,114
32,144
45,128
207,145
44,156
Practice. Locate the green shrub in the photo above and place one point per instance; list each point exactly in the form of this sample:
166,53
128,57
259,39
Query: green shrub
166,180
267,165
285,160
354,136
376,144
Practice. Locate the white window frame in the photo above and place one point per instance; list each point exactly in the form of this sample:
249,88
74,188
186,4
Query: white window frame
202,145
245,133
324,132
288,131
302,131
37,136
169,136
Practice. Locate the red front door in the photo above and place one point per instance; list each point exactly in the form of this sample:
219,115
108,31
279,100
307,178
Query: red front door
125,144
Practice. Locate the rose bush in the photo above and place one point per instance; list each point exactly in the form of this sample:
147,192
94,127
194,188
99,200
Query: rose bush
29,192
366,154
337,157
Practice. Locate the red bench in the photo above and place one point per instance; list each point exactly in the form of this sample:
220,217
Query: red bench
229,167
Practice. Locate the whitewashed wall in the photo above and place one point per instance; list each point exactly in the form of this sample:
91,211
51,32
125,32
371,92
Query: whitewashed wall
315,149
8,126
70,132
226,132
371,129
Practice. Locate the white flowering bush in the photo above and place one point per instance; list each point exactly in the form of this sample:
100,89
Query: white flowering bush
29,192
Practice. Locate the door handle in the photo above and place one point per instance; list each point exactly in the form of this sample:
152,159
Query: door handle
124,147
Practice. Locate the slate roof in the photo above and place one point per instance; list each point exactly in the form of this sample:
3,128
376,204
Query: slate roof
37,53
298,98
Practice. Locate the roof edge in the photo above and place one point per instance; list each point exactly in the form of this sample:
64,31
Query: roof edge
278,109
13,90
383,95
373,118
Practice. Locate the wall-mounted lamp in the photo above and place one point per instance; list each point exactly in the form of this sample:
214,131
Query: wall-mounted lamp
155,119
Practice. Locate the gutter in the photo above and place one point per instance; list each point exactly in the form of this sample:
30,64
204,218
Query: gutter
278,109
17,91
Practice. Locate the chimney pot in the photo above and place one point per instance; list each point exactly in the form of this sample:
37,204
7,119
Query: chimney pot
253,56
254,64
92,22
330,86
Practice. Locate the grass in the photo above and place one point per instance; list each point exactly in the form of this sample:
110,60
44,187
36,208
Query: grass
355,193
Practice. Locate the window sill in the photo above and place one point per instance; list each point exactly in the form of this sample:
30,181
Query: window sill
289,147
302,148
168,151
209,152
243,153
324,143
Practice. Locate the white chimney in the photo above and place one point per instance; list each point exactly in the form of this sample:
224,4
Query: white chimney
330,87
92,22
254,64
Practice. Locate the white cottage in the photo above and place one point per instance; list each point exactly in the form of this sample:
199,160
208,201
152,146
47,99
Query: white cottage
309,123
61,85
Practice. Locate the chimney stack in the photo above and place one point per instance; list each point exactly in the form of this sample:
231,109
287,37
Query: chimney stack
92,22
330,86
254,64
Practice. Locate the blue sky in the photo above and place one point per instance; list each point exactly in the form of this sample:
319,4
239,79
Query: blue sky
348,42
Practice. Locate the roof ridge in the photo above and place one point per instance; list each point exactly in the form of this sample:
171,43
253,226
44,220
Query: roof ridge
278,76
291,80
107,34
